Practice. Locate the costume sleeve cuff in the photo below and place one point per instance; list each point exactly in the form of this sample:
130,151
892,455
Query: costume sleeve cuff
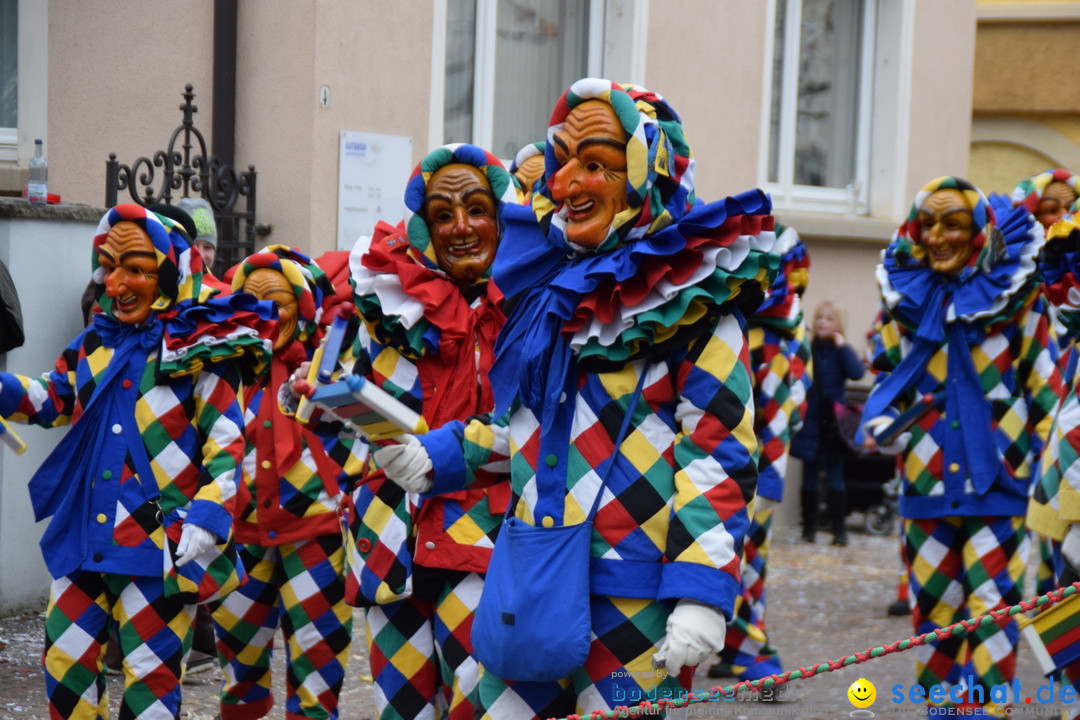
702,583
11,394
890,412
770,484
444,447
210,516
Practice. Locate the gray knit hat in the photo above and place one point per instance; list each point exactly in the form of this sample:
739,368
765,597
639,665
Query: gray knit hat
203,215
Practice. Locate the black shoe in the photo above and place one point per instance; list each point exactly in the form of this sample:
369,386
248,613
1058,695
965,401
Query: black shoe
840,540
721,670
808,537
898,607
198,662
114,658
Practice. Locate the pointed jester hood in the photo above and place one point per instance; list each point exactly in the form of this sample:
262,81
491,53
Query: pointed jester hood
668,265
1027,193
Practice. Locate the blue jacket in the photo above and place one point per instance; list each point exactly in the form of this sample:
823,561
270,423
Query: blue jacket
833,367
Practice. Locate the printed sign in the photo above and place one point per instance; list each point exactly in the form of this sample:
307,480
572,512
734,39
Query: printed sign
373,170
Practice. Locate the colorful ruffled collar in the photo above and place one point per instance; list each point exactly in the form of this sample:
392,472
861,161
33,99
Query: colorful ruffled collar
404,298
309,283
614,307
405,304
782,308
988,289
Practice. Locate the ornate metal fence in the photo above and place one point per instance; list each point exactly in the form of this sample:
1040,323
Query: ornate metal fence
188,171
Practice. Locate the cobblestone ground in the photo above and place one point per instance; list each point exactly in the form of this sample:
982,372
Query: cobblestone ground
824,602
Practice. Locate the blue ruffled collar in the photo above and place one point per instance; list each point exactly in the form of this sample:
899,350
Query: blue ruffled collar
977,293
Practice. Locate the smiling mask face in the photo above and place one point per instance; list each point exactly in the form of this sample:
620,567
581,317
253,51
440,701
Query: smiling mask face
946,231
591,180
130,268
460,212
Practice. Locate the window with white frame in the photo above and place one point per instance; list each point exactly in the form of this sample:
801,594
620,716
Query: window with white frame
816,150
508,61
9,77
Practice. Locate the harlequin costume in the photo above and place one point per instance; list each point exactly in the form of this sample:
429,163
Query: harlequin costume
963,499
1055,503
430,342
156,438
660,296
1028,193
288,525
779,360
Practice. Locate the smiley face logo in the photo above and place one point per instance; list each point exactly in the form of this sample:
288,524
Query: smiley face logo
862,693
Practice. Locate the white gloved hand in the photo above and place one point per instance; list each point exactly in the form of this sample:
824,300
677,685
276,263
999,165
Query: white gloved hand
897,446
407,464
695,632
877,425
1070,547
194,541
762,504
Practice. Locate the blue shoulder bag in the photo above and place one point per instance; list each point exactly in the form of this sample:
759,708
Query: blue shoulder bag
533,622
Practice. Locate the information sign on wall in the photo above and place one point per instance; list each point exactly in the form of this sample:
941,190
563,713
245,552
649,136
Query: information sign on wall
373,170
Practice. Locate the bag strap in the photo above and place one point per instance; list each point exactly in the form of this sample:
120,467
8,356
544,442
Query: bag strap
618,441
611,460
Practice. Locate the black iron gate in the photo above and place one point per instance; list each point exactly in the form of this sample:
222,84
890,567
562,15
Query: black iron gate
190,172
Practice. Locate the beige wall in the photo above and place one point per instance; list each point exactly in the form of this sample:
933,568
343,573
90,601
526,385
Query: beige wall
998,167
1025,121
719,98
276,102
376,58
50,320
941,89
1020,70
116,74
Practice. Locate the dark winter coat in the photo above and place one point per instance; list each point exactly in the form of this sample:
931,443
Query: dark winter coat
833,367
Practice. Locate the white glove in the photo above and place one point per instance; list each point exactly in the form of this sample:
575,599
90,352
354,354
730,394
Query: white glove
897,446
695,632
877,425
762,503
407,464
1070,547
194,541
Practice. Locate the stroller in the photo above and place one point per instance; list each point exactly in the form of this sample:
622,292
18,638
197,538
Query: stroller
871,479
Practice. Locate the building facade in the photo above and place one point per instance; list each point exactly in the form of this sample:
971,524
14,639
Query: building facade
841,109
